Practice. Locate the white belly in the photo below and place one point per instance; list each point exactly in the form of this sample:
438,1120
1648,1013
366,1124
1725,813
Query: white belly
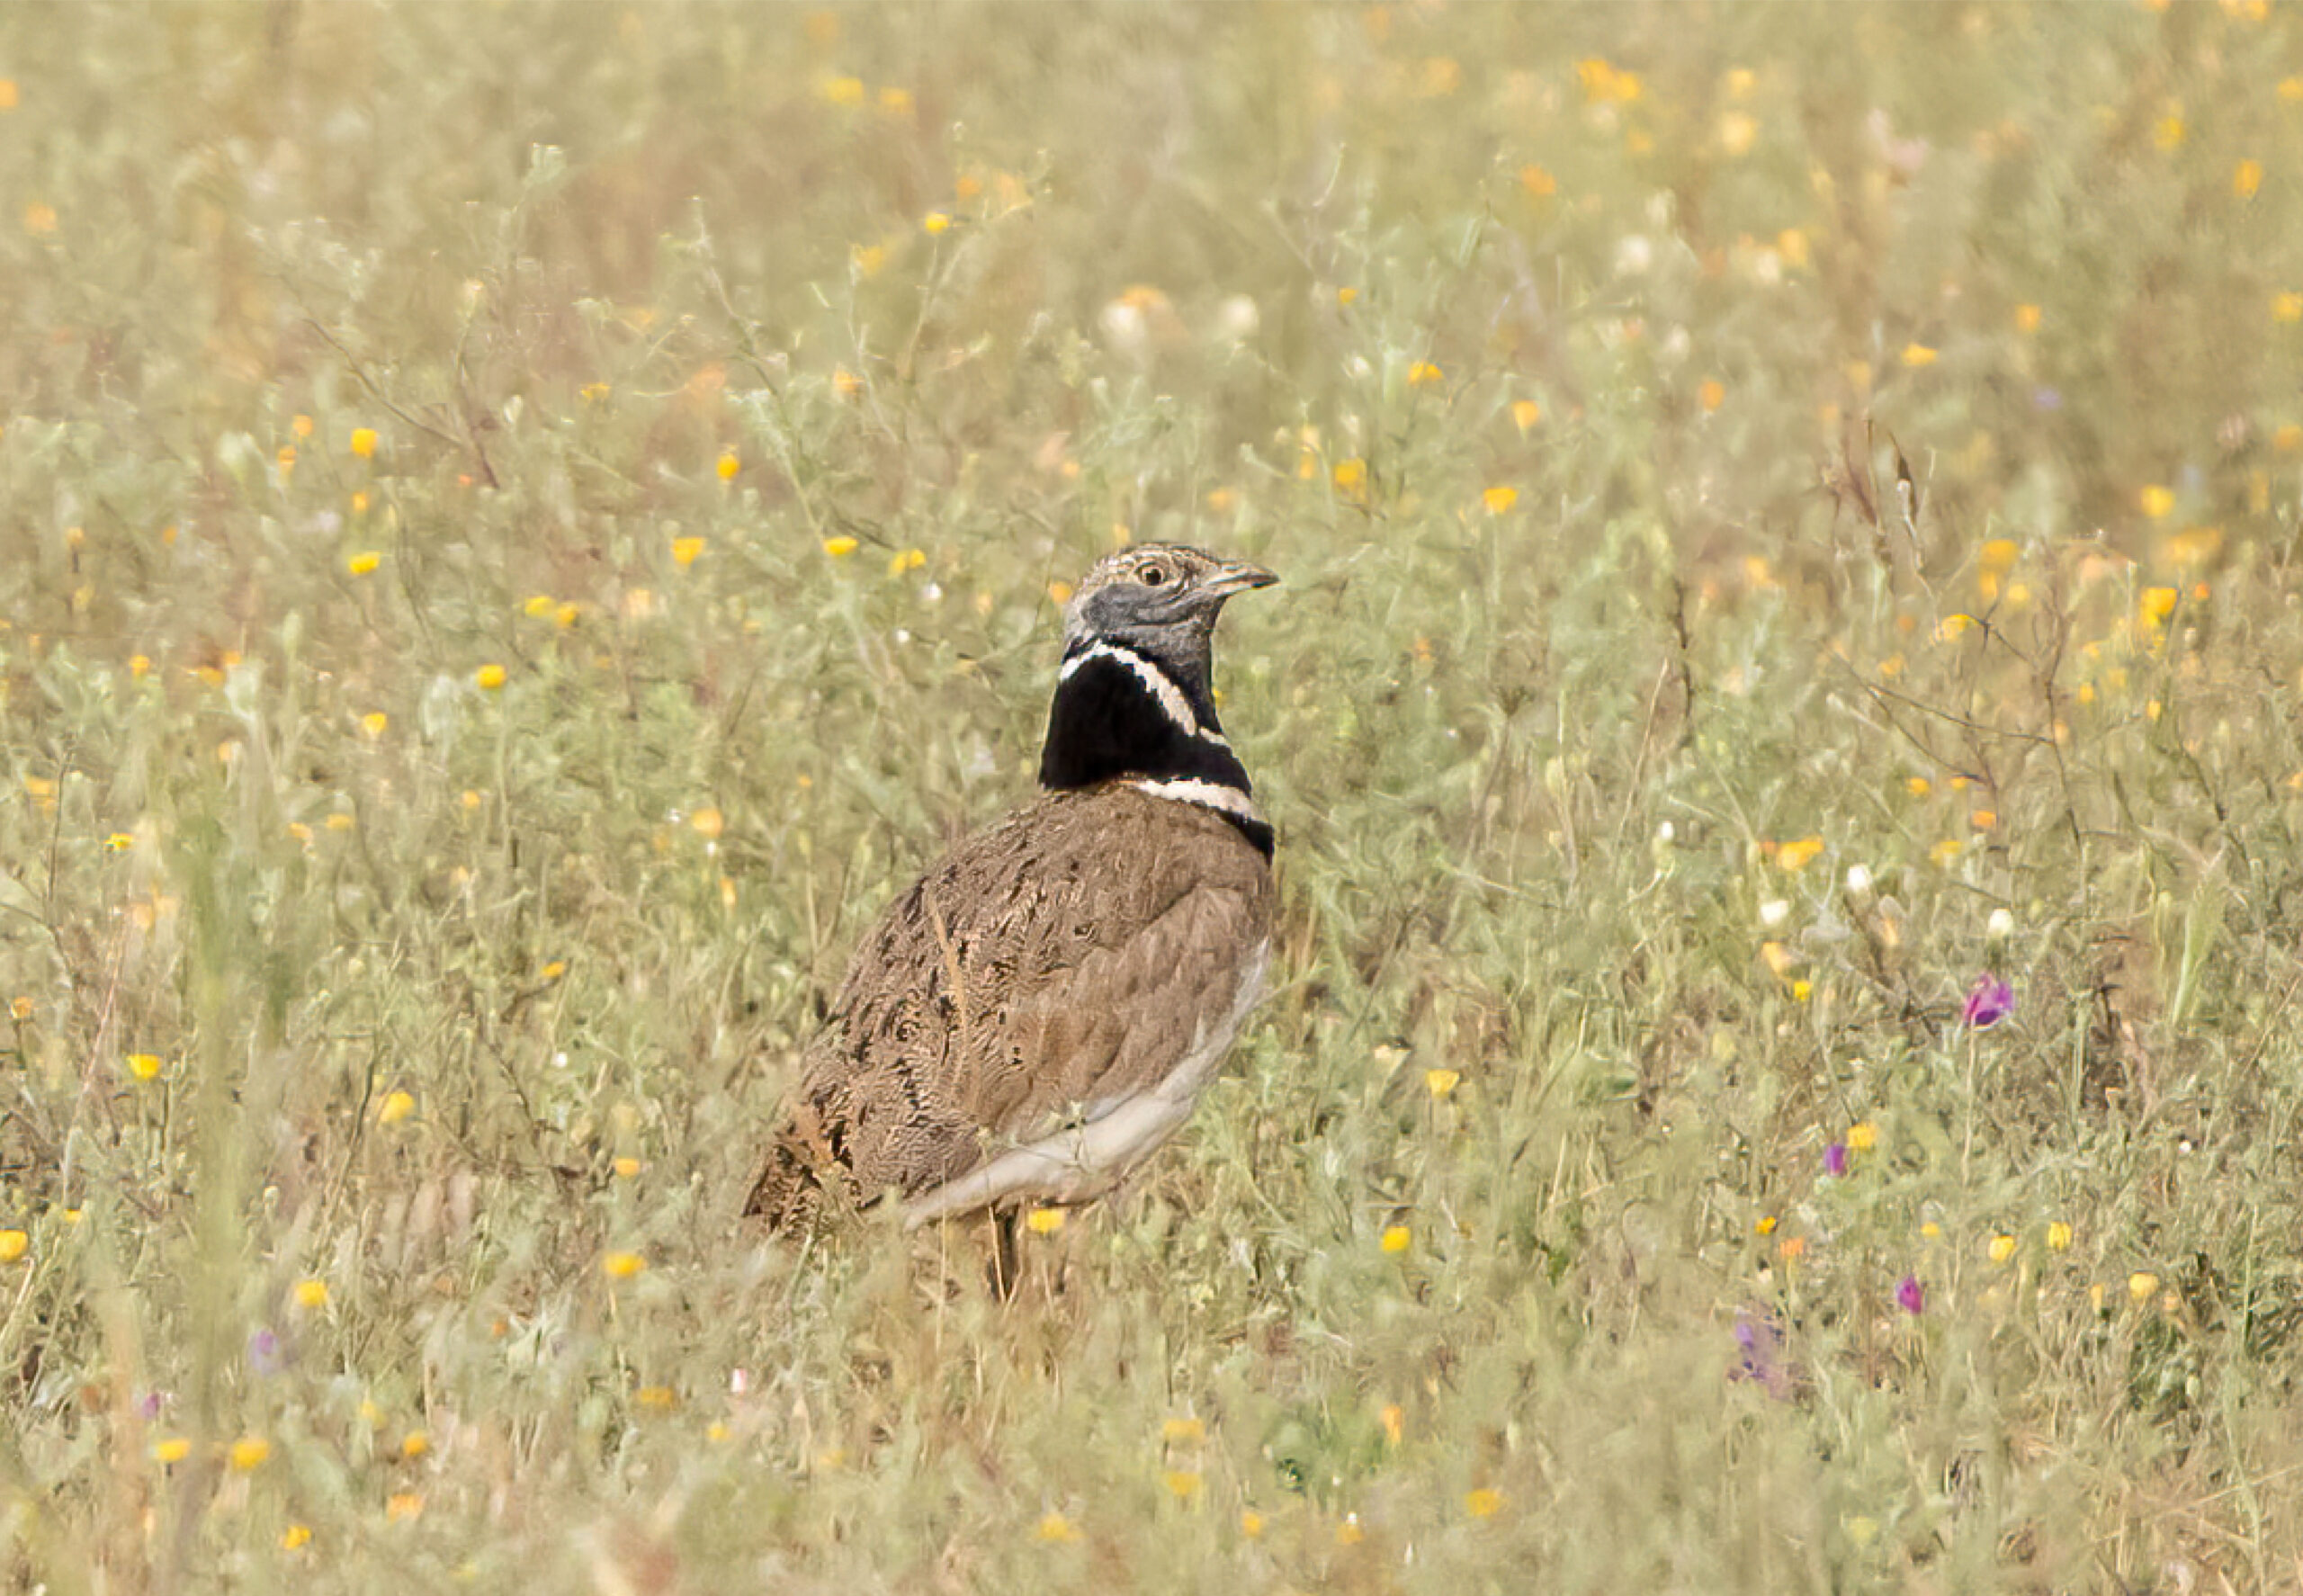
1080,1160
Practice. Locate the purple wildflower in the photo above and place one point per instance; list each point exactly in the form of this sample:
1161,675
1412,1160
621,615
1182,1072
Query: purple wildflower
1911,1296
149,1405
264,1352
1836,1158
1989,1001
1760,1340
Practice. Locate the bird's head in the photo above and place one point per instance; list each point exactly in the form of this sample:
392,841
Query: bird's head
1160,599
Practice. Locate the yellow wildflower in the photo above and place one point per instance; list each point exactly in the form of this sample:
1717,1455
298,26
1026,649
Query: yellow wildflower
1499,499
1043,1222
1796,856
2002,1248
364,442
172,1449
2194,546
1177,1432
360,563
2059,1236
1439,1083
1396,1238
1483,1502
622,1266
1918,354
144,1066
396,1106
684,550
489,677
2246,177
312,1293
839,548
249,1452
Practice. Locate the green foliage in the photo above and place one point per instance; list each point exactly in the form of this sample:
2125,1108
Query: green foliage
524,525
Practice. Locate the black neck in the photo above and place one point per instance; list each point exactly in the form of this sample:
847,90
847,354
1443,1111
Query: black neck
1119,714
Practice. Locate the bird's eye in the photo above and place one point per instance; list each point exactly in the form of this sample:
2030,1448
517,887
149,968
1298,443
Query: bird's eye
1152,576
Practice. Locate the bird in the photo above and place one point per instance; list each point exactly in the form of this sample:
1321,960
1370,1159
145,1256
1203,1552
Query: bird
1040,1010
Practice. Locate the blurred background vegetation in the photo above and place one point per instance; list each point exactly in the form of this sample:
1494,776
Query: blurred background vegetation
521,524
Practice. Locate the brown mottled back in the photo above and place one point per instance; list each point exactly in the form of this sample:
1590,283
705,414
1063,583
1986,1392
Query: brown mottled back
1063,961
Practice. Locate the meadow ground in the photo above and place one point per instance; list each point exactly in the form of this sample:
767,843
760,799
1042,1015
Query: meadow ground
521,525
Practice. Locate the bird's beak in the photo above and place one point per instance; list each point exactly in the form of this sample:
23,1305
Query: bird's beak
1234,575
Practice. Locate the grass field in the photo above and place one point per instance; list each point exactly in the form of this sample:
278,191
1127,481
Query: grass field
522,525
